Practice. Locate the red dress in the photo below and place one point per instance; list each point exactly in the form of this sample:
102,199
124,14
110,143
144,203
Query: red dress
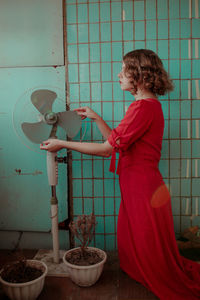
147,246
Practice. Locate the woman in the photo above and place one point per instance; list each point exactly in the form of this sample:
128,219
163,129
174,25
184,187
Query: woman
146,242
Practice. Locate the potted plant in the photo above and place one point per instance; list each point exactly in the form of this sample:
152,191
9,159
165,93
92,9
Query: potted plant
84,264
23,279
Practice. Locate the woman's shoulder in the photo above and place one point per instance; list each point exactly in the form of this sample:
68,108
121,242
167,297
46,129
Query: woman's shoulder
145,107
144,103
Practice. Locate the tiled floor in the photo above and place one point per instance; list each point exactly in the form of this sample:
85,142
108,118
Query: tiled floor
112,285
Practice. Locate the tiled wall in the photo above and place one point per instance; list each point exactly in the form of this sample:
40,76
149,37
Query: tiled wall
98,34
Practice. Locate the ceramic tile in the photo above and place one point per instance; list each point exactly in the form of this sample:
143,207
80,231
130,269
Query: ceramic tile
82,13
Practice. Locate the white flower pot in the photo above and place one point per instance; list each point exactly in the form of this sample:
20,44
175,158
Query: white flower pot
85,275
29,290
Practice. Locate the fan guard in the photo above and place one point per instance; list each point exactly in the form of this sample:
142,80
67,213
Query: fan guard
38,111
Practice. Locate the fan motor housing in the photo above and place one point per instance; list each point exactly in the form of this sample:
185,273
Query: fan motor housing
50,118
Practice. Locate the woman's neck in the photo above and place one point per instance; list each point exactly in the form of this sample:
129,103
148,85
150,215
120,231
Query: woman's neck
144,94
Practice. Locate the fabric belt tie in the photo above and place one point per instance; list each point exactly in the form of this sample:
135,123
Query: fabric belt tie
113,162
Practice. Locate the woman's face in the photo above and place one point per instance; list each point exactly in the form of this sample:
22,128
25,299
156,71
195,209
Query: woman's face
124,80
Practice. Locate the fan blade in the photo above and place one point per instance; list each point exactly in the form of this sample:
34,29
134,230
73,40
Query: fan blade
43,100
70,121
36,132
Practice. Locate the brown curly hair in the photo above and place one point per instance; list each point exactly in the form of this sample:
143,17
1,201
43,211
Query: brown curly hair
143,66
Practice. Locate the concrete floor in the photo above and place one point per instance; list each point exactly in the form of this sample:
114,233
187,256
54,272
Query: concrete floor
113,284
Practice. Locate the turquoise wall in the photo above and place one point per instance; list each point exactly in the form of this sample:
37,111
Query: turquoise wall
31,58
98,34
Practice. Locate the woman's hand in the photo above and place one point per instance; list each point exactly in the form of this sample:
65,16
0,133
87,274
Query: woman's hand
52,145
86,112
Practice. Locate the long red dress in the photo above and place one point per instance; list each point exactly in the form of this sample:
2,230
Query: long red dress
146,241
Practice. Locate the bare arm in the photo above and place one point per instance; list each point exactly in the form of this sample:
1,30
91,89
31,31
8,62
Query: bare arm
99,149
86,112
103,127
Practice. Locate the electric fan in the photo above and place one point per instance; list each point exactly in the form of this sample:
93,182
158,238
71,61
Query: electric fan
48,123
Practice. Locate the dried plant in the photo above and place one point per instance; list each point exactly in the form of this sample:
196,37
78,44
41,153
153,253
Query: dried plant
83,228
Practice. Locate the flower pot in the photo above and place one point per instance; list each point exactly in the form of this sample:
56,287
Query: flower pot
29,290
85,275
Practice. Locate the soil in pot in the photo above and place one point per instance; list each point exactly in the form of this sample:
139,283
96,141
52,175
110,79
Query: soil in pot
19,272
83,258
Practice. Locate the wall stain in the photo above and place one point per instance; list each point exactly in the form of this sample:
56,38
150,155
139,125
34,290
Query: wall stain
19,172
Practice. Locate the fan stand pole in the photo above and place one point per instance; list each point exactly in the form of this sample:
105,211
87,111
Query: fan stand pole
54,220
52,171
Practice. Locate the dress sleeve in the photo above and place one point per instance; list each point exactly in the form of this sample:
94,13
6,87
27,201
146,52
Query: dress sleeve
136,122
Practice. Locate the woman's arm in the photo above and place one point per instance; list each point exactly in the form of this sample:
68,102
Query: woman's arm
99,149
86,112
103,127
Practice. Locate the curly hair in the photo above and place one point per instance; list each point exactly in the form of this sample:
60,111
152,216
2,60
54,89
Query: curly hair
143,66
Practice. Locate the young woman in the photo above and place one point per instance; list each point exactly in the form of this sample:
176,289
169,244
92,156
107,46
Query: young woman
146,241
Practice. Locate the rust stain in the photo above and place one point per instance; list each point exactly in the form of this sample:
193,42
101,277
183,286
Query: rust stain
18,171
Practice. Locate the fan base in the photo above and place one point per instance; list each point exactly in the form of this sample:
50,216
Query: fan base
54,269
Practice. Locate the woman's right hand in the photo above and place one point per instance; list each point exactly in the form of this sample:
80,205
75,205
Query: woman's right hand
86,112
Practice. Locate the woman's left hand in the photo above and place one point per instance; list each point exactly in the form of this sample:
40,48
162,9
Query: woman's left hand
52,145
